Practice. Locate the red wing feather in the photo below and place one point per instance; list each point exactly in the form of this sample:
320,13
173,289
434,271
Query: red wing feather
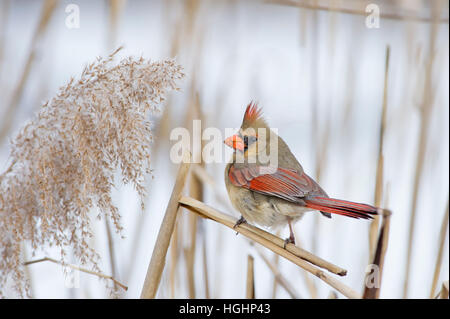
283,183
297,188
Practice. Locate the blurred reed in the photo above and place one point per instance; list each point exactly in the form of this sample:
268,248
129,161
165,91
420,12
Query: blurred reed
9,114
425,110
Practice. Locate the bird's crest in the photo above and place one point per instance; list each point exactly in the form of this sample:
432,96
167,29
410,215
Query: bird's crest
253,116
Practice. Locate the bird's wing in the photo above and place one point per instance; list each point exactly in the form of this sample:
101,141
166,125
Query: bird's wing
284,183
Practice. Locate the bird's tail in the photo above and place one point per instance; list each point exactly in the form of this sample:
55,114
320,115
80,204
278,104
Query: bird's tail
341,207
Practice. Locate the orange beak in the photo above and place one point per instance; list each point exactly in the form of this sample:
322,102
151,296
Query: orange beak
235,142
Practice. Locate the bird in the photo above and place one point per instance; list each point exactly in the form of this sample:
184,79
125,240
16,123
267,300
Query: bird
273,195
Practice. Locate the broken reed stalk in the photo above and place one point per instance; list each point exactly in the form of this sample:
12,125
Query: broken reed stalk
250,291
373,230
378,258
437,267
425,118
361,12
158,260
275,244
444,291
77,268
8,115
279,278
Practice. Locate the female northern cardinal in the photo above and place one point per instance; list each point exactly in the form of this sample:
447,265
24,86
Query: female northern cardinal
272,196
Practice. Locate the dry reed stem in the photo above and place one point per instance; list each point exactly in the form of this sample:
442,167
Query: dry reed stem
425,112
378,258
174,257
158,259
77,268
279,278
362,12
8,115
444,291
250,287
269,241
373,230
195,187
442,235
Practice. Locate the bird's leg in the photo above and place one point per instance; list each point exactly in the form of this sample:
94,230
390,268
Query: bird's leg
239,221
291,238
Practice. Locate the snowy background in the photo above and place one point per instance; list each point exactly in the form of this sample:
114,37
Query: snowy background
292,61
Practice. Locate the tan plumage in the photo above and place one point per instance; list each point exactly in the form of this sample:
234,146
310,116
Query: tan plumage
274,195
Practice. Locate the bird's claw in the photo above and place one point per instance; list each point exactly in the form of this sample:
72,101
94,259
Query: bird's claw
289,240
239,221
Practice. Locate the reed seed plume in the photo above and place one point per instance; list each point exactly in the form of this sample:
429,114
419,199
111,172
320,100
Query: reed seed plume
64,160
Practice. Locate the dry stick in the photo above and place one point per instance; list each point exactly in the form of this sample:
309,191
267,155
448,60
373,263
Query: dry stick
158,260
391,16
271,242
378,259
279,278
444,291
373,230
425,112
47,11
442,235
77,268
250,291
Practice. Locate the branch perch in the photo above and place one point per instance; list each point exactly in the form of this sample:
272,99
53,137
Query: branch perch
76,268
275,244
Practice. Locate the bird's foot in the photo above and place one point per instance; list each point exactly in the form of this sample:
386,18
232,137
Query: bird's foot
290,240
239,221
